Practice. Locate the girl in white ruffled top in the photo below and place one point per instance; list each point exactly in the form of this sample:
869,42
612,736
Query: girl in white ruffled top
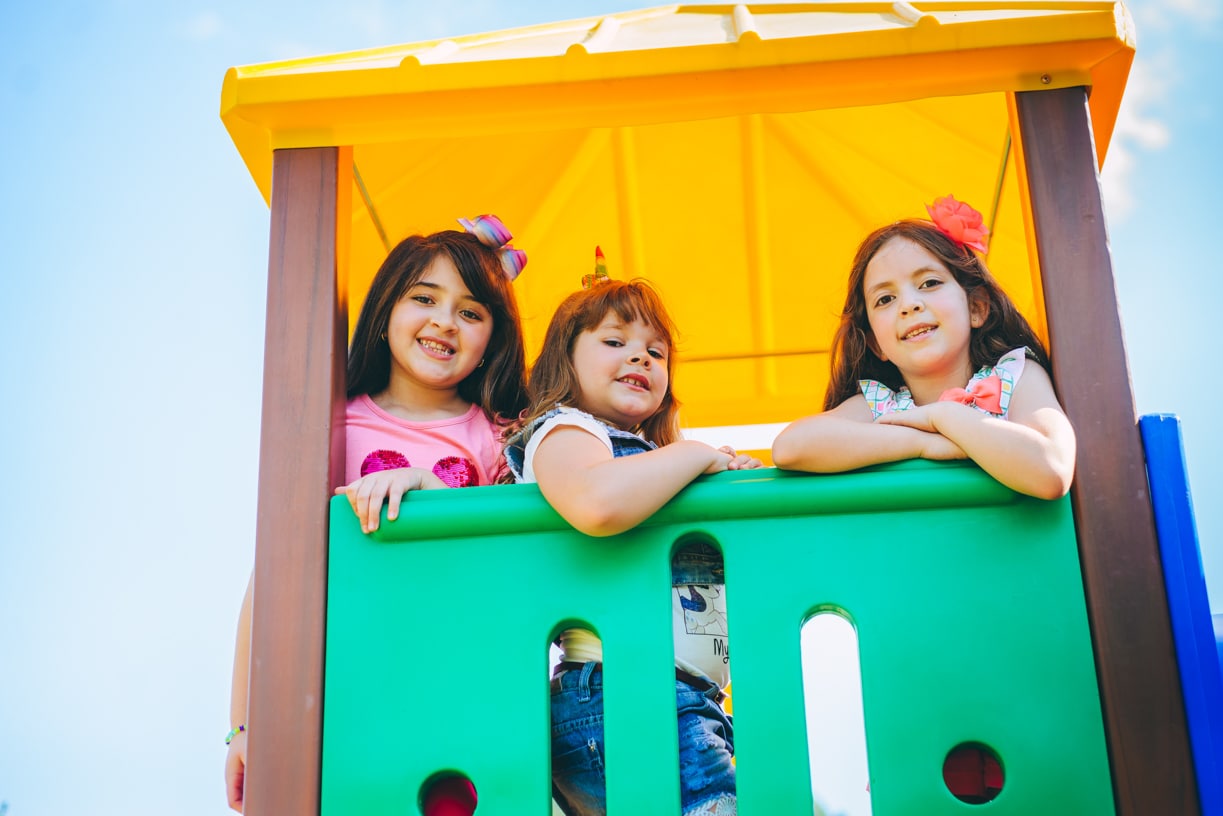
929,362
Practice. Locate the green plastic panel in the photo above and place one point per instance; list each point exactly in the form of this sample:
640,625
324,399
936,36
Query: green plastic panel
967,600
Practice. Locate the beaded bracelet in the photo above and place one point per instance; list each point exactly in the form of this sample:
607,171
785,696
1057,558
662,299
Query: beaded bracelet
233,733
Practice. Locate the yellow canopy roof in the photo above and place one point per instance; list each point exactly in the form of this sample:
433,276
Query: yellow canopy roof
733,154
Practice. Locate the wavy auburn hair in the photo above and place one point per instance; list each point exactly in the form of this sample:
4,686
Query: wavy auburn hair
498,386
554,379
1004,327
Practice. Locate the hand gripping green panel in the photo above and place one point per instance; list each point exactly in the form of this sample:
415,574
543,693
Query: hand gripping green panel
967,599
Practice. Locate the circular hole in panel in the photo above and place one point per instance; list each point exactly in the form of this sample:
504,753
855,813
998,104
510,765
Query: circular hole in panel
973,773
448,794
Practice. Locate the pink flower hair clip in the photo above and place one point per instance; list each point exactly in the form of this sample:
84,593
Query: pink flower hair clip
959,222
493,234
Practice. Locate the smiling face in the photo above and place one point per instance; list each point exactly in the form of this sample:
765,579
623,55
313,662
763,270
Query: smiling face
621,370
920,317
438,332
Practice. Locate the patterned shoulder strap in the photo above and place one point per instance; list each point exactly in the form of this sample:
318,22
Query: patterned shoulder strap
883,400
1009,369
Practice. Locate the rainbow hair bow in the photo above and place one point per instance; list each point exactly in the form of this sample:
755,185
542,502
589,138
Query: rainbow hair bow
493,234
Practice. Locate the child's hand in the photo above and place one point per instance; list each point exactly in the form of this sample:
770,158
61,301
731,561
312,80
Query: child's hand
235,771
921,417
925,418
722,457
366,494
740,461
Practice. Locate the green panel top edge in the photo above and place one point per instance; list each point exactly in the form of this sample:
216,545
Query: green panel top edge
767,492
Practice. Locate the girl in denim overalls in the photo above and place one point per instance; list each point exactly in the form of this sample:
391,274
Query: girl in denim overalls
602,441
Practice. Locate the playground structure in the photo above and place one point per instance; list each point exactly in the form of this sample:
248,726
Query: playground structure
733,154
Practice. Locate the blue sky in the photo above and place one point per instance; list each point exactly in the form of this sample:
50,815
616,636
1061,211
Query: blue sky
135,251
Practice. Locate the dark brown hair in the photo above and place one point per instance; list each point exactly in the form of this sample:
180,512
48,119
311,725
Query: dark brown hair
1004,327
553,378
498,386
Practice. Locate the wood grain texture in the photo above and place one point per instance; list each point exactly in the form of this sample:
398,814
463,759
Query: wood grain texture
300,461
1131,632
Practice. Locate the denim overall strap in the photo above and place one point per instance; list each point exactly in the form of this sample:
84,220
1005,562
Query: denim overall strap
627,443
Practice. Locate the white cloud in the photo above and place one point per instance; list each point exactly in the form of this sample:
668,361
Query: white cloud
1198,11
413,21
1148,119
204,26
1138,129
369,19
1163,17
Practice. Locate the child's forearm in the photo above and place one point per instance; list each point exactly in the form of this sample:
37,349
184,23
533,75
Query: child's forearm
614,495
242,661
235,754
1036,460
829,444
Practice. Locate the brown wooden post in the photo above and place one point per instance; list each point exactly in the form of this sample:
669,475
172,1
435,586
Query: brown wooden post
1135,659
300,461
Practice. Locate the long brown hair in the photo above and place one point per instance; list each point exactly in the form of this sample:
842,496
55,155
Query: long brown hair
1004,327
498,386
554,379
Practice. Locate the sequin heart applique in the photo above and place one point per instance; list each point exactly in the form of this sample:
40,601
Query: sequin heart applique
383,460
456,471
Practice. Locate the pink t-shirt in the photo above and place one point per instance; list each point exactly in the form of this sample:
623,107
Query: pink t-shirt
463,451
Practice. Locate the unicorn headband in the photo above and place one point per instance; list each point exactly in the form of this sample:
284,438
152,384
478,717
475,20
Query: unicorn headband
493,234
959,222
600,274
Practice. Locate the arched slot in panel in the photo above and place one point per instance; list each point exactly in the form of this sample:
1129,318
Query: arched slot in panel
836,732
700,631
699,611
578,750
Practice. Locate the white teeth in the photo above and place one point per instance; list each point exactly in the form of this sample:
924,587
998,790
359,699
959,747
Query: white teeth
438,347
918,333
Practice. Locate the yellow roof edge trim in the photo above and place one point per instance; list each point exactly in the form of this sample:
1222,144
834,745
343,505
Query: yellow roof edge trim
427,66
920,13
296,65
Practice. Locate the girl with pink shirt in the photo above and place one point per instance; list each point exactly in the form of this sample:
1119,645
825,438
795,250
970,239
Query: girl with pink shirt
435,366
436,363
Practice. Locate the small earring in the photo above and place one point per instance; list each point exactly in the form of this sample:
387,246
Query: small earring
481,365
383,336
